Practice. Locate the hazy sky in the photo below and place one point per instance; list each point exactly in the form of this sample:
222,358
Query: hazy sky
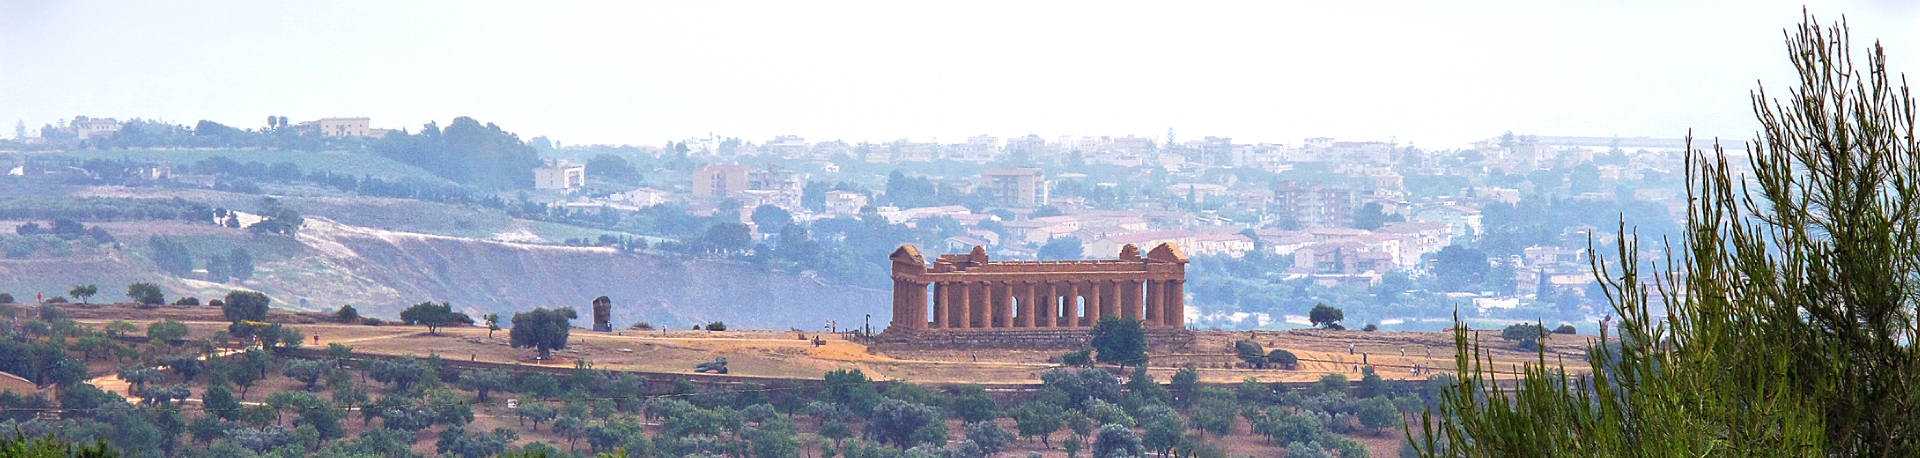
1439,74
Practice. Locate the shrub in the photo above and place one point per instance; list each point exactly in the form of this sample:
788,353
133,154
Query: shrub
1120,341
1370,328
1307,450
246,306
1332,383
641,326
717,326
346,314
1523,332
1284,359
6,298
189,300
1377,413
1250,352
56,300
1077,358
1565,329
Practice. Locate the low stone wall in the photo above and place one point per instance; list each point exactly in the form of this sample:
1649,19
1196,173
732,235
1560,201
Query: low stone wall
1022,339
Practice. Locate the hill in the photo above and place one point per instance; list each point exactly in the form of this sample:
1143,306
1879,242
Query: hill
380,272
338,162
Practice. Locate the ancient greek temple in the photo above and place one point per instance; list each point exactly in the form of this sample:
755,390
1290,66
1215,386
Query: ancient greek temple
967,292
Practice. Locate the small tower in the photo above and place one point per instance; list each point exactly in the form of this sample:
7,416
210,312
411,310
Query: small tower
603,314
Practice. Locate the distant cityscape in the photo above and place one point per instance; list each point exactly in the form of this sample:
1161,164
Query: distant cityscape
1329,212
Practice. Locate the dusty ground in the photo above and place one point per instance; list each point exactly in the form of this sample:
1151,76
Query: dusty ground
788,354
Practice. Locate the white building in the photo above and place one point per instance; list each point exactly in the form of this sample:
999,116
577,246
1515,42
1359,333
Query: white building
560,175
1464,221
96,127
643,197
845,202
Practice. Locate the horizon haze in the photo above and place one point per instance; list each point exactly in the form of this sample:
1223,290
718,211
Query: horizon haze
600,73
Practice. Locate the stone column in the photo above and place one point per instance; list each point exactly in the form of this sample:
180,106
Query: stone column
1095,302
920,305
899,304
982,305
1036,308
940,292
1036,300
1008,301
963,316
1071,313
1019,295
1176,309
1130,299
1047,307
996,303
1153,299
1111,306
989,304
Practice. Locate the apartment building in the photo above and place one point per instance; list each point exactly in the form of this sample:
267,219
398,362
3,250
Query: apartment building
1016,187
559,175
339,127
1314,204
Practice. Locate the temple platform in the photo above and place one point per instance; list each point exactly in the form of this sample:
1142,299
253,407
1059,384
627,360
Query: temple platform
1158,339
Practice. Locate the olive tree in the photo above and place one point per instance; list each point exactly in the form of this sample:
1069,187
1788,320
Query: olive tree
542,329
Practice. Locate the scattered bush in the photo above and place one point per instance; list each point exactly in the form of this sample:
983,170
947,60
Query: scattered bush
1250,352
189,300
1523,332
1370,328
144,293
1565,329
346,314
641,326
717,326
1284,359
246,306
6,298
55,300
1077,358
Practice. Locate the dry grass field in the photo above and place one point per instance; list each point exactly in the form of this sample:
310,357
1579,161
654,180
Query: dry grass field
788,354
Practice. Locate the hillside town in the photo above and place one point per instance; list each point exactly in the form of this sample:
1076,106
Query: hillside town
1320,216
1341,212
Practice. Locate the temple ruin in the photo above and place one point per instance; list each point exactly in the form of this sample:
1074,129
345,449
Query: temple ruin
967,300
602,314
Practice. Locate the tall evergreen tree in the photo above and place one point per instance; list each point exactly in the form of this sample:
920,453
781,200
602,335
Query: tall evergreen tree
1792,331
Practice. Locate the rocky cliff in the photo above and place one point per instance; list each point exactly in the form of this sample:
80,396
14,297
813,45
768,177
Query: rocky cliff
381,272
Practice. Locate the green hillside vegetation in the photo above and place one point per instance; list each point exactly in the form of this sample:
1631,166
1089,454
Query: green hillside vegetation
425,217
337,162
281,400
466,152
484,157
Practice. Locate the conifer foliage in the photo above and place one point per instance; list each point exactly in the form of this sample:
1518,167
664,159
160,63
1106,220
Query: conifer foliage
1791,331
